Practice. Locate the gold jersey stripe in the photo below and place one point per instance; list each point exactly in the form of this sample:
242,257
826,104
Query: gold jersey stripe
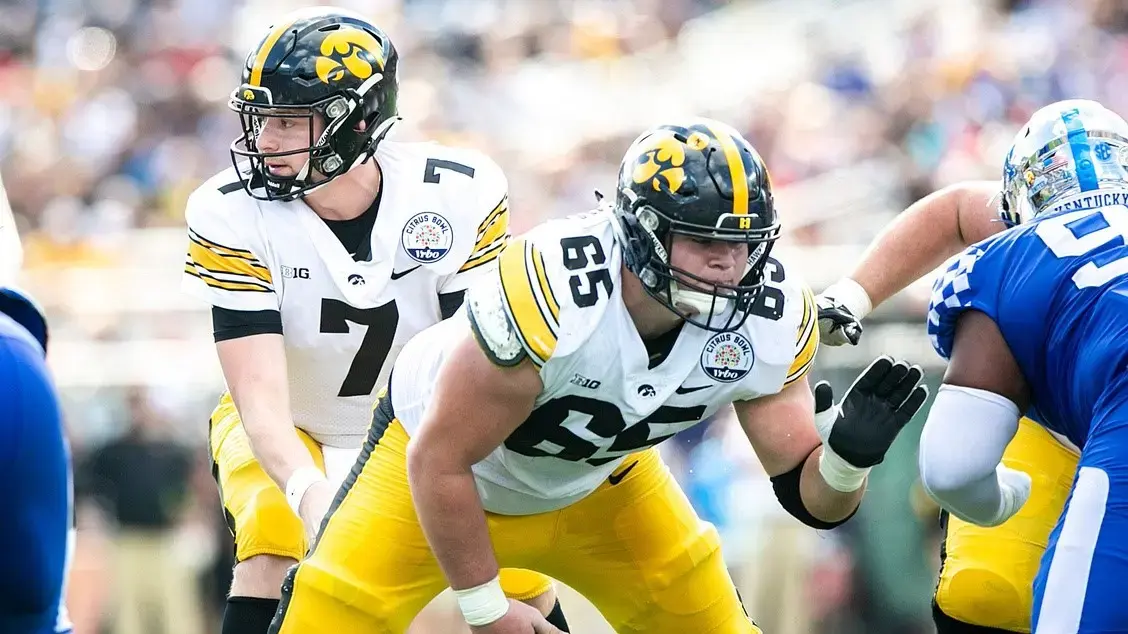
225,284
736,171
208,259
222,249
521,299
501,211
546,289
807,341
485,258
498,231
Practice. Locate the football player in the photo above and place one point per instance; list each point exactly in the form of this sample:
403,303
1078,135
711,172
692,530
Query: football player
37,531
533,414
986,573
1032,321
321,251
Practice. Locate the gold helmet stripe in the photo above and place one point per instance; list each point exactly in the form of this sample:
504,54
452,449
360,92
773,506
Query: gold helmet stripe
264,51
736,170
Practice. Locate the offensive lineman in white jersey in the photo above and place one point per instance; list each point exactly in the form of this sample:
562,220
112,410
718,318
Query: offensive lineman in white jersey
533,414
322,251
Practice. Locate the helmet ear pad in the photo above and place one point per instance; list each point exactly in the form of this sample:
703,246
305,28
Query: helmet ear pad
334,154
638,250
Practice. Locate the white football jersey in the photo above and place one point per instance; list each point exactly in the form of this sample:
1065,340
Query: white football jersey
557,298
442,221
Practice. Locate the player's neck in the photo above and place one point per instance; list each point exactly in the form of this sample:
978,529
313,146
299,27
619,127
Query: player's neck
349,195
650,317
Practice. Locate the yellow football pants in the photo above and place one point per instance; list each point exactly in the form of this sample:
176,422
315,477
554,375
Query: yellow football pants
986,574
635,549
259,517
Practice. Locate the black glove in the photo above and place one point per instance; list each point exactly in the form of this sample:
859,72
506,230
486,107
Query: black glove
863,426
837,325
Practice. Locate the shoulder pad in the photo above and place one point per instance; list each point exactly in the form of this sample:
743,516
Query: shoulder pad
553,286
491,325
529,300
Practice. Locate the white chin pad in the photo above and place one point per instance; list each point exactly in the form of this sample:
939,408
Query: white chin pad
696,302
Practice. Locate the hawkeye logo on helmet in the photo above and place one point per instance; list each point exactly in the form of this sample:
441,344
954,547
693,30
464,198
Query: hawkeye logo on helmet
660,161
255,94
349,51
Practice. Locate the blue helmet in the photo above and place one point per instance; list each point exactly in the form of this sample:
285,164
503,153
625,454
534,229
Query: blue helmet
1067,148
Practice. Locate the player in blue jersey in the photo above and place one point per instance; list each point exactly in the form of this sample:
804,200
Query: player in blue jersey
986,573
35,466
1034,320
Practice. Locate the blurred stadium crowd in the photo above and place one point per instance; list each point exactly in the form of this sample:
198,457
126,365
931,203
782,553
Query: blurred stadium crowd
112,111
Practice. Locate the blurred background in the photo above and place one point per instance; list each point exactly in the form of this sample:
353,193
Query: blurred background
112,111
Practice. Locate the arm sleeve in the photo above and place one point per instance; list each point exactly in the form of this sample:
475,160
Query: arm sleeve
235,324
958,474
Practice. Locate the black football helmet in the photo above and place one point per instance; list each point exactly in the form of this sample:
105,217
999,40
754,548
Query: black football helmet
326,64
701,180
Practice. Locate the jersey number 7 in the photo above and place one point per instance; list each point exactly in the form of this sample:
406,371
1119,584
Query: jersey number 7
374,348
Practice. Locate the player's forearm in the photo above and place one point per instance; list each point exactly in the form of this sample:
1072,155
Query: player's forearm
822,501
273,438
913,244
452,518
254,368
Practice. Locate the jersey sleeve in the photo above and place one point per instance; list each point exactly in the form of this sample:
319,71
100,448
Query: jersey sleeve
491,206
965,284
223,267
517,314
806,340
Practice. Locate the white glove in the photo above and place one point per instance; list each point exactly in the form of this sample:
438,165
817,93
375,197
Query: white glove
842,306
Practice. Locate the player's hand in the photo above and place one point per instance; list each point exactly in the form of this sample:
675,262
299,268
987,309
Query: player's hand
314,506
520,619
837,324
863,425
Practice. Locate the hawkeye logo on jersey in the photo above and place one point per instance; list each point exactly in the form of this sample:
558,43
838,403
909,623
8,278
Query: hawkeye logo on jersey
427,237
727,357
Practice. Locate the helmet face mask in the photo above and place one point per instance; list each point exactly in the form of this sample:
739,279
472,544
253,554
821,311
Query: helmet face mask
702,182
330,67
323,160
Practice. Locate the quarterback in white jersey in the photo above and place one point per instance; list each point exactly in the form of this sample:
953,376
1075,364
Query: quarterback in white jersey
533,414
322,251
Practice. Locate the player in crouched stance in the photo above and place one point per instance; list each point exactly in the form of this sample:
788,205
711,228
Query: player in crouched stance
521,432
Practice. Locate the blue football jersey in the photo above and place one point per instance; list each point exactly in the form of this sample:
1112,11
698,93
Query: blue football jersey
1057,287
35,536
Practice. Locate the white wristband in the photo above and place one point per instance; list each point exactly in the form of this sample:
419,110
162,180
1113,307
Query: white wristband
851,295
839,474
300,481
484,604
